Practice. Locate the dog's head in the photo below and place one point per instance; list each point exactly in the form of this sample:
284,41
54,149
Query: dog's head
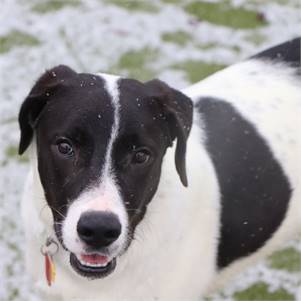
100,145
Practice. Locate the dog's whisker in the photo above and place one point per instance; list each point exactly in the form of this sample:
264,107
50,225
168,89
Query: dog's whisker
58,212
59,223
135,210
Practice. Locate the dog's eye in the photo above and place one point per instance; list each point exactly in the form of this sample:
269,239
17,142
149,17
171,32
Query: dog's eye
141,157
65,148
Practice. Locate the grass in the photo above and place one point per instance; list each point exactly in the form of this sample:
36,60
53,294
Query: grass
259,291
12,152
295,3
13,294
16,38
256,38
288,259
210,46
136,5
222,13
197,70
47,6
172,1
177,37
135,63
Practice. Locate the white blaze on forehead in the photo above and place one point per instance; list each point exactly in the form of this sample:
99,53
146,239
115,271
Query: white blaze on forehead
111,85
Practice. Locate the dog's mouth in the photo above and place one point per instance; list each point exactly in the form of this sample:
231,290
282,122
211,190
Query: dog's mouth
92,266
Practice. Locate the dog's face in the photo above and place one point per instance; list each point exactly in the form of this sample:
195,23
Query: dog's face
100,145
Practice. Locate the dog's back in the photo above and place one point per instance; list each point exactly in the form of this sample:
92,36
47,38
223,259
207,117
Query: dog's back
250,115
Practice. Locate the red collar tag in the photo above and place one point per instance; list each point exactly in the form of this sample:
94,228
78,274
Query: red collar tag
50,248
49,269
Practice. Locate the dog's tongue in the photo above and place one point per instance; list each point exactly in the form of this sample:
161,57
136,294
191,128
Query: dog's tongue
95,259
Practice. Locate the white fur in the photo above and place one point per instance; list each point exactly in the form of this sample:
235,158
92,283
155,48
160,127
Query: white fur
111,85
174,254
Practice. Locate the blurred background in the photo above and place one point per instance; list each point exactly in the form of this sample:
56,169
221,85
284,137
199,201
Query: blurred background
179,41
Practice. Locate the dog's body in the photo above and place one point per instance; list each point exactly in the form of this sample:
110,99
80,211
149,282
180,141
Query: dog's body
243,194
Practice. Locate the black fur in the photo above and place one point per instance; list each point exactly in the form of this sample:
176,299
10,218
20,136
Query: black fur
288,52
255,191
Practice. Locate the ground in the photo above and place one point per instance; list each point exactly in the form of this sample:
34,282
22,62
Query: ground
180,41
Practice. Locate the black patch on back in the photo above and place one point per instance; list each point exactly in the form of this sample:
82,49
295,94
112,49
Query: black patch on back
288,52
254,189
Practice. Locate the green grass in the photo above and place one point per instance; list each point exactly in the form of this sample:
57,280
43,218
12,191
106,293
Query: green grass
288,259
43,7
136,5
210,46
259,291
172,1
291,3
136,63
256,38
16,38
177,37
11,152
197,70
222,13
13,294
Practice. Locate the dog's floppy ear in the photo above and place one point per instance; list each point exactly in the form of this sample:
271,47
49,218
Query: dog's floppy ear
178,110
36,101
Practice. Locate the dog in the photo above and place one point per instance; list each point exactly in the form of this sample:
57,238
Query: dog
145,192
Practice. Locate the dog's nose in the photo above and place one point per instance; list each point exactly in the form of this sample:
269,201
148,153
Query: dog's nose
98,229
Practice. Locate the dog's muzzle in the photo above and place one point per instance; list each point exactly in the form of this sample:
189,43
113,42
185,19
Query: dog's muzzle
98,230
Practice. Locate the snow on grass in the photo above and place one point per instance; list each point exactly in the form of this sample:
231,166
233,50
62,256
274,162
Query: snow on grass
142,39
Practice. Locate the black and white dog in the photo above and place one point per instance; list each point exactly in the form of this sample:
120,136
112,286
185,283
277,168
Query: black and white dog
156,194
